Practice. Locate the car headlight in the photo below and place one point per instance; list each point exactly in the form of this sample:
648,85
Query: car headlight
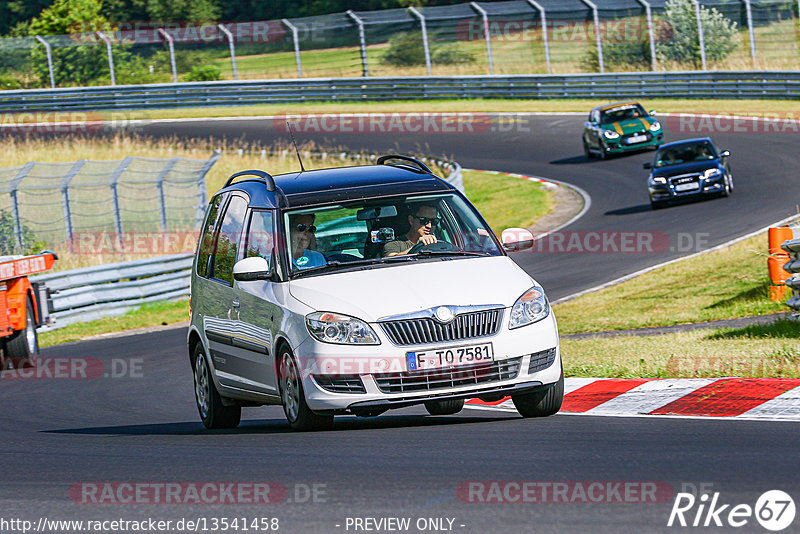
712,174
340,329
529,308
610,135
659,180
656,126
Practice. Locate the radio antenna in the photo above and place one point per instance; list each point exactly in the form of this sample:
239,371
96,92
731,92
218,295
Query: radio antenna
297,151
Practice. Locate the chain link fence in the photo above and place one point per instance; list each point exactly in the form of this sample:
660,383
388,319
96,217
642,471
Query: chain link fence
49,204
504,37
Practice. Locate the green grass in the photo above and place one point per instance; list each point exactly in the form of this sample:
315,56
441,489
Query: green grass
723,284
506,201
755,351
152,314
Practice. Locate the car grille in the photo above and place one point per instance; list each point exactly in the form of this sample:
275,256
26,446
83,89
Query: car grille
340,383
448,377
427,330
646,134
541,360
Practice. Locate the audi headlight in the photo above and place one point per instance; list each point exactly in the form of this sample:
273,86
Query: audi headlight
712,174
659,180
610,135
656,126
340,329
529,308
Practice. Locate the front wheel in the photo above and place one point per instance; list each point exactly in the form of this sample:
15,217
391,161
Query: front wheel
541,403
213,413
444,407
728,185
23,346
586,150
293,398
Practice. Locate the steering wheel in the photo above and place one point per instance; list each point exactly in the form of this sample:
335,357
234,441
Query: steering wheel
442,246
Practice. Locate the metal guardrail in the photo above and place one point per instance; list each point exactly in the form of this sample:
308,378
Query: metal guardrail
113,289
721,84
91,293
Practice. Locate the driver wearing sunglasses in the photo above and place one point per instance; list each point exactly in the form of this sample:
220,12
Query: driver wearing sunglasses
301,231
423,223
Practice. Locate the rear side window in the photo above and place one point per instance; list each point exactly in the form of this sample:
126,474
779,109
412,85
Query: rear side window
230,231
259,240
206,245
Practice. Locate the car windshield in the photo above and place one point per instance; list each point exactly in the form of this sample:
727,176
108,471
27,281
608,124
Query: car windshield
388,230
685,153
622,113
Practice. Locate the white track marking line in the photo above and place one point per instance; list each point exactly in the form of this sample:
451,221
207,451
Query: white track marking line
646,397
784,406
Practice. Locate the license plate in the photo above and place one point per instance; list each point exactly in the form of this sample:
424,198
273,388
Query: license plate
687,187
637,139
450,357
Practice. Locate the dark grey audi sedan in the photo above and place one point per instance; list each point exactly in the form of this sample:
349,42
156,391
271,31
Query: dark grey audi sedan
688,169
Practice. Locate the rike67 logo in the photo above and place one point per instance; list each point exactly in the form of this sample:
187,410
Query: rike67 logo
774,510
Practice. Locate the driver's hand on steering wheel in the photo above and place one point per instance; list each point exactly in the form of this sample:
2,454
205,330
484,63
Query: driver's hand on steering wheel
427,239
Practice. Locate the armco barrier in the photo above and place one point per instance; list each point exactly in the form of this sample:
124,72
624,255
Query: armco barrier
714,84
105,290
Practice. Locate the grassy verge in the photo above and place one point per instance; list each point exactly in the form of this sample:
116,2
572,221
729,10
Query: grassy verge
723,284
756,351
152,314
782,108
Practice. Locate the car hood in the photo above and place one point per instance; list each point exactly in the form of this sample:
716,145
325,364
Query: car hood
686,168
399,289
630,126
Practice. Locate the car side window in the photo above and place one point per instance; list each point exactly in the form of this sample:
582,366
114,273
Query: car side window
226,249
259,239
206,245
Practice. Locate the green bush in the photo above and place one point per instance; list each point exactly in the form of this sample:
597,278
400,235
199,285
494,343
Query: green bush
204,73
8,241
679,42
620,55
407,50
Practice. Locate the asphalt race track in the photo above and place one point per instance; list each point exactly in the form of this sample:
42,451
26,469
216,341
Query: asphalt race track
130,417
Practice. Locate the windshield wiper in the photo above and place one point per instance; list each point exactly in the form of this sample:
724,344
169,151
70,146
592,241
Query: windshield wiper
450,253
333,265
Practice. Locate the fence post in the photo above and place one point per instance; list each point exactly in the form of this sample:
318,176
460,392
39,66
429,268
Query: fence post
115,176
296,40
49,60
649,14
169,40
12,191
201,187
421,18
750,32
362,40
543,17
107,41
600,61
486,33
229,36
700,37
68,227
162,205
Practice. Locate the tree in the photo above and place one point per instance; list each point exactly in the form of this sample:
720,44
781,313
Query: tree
183,10
74,62
679,41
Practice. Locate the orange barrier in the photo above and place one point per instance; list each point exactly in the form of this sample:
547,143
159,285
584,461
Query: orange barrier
775,262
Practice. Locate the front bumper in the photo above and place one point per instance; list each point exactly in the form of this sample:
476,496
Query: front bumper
368,367
667,193
617,146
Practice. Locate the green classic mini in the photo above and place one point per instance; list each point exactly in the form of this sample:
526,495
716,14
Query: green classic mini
620,127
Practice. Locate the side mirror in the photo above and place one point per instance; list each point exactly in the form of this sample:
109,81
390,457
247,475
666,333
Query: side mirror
515,239
725,153
652,113
249,269
647,165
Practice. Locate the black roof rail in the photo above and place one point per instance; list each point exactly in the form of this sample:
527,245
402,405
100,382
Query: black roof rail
421,166
267,177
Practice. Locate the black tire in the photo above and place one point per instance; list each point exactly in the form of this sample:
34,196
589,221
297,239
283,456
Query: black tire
541,403
293,398
602,151
23,346
213,413
728,191
587,150
444,407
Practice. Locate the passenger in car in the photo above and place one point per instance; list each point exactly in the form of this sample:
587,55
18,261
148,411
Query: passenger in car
301,232
423,222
